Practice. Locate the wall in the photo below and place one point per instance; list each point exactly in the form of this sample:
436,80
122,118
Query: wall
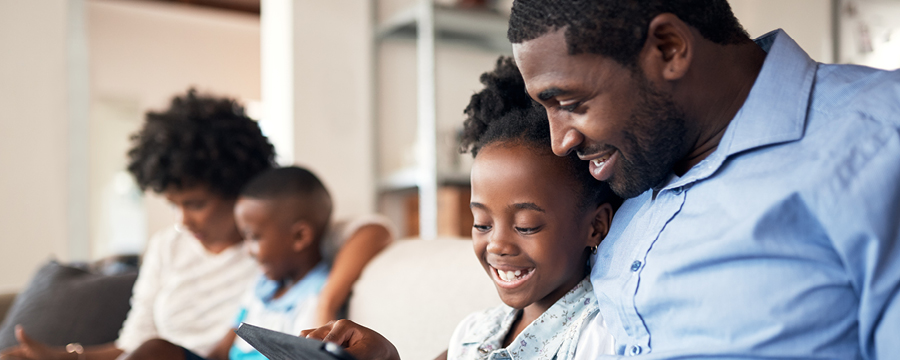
34,58
808,22
332,92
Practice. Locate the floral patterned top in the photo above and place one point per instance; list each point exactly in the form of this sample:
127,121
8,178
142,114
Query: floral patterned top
553,335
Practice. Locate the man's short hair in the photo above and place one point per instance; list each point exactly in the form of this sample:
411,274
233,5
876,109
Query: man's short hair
618,28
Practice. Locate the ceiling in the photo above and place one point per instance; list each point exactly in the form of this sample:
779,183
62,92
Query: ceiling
246,6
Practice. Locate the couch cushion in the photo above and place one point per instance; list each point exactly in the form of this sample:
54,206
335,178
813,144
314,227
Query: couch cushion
417,291
64,304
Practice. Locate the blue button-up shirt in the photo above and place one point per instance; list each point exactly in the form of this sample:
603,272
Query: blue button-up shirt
783,243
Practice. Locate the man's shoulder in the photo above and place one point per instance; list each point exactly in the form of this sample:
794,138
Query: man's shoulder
853,91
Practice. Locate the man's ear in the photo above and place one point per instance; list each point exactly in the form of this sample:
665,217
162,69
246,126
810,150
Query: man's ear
600,224
302,235
669,48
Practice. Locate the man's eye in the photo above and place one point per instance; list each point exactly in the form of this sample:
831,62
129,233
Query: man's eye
570,107
482,228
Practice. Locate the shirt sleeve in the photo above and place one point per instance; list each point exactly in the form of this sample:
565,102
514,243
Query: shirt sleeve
140,326
862,218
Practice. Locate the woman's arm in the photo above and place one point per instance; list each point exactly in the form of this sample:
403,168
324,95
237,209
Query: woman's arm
348,264
140,324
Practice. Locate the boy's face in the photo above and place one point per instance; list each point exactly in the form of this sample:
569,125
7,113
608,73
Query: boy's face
268,235
529,234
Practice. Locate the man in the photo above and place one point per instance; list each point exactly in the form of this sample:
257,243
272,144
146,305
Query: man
764,210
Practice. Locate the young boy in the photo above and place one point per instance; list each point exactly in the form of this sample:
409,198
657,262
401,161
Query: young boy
284,215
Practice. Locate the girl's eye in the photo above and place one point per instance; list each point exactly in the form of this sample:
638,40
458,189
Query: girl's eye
527,230
482,228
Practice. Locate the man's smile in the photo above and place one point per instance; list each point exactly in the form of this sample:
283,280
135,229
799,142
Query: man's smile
601,164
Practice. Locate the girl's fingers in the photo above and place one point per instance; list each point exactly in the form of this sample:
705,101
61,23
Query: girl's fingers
318,333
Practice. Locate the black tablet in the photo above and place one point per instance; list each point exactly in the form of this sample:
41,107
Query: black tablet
280,346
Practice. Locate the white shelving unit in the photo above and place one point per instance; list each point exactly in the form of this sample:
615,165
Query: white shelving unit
429,25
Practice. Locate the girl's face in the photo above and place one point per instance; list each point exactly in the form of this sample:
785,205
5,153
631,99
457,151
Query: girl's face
207,215
529,234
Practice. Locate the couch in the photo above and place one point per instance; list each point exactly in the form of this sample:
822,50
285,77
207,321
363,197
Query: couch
414,293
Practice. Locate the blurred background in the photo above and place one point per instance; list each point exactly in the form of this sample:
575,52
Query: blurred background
368,94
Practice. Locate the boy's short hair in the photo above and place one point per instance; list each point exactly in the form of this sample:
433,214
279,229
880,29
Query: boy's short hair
312,202
199,140
503,112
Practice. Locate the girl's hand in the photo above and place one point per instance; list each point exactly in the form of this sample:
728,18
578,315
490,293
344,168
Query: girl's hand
31,349
361,342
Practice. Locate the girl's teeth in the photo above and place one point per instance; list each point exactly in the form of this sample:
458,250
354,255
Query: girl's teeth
510,275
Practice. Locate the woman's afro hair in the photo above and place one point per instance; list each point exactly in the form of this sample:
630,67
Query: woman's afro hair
503,112
200,140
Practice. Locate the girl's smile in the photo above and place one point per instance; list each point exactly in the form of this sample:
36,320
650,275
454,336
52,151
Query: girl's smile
510,279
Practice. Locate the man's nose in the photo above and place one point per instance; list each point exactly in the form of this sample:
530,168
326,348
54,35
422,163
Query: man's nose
563,138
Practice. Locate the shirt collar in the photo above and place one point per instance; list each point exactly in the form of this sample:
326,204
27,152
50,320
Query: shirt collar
774,111
546,330
311,283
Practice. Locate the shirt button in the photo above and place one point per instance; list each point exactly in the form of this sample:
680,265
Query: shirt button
635,266
678,190
635,350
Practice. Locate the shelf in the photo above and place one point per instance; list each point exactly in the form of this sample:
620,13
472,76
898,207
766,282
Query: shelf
407,179
479,28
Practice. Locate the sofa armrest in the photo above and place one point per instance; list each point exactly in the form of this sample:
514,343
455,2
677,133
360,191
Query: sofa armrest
416,292
6,301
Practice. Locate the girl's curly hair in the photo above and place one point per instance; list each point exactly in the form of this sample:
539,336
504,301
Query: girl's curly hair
199,140
503,112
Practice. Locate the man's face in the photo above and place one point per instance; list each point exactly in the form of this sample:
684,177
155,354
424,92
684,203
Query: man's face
607,113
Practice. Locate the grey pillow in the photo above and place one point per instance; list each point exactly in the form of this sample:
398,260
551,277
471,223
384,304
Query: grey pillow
65,304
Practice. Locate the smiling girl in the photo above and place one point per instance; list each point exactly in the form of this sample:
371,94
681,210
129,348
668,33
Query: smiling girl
538,217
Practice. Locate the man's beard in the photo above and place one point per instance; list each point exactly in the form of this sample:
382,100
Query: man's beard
655,142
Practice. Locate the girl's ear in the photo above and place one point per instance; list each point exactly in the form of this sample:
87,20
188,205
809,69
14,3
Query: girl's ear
600,224
302,235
